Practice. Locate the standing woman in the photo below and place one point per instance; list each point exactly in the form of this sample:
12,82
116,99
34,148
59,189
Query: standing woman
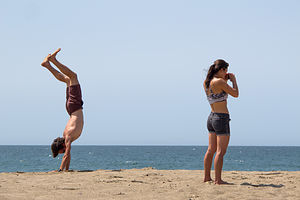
217,90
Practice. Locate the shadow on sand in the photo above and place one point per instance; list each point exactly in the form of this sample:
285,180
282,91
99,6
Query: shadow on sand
85,170
81,170
263,185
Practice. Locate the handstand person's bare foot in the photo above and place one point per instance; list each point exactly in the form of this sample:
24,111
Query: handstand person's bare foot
45,62
53,56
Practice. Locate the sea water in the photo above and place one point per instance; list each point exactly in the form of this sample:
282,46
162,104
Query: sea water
244,158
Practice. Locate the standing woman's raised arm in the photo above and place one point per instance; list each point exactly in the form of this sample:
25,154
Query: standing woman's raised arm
234,90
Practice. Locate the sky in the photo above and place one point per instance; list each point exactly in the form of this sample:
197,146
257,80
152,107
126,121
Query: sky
141,66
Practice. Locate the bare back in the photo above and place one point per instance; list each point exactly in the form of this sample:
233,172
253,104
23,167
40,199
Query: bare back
218,107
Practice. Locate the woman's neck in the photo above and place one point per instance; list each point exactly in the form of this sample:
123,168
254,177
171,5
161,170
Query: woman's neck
218,76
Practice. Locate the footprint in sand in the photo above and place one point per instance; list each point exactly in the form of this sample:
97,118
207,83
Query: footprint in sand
67,188
135,181
115,177
153,174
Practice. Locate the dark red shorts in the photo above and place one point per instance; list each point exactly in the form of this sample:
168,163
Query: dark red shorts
74,99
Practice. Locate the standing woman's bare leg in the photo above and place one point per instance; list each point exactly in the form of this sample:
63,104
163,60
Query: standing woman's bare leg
212,147
64,69
59,76
222,144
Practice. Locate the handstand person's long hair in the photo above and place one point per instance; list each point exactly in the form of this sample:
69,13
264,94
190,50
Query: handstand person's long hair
213,69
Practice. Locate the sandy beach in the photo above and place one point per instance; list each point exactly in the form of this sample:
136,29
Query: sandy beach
148,183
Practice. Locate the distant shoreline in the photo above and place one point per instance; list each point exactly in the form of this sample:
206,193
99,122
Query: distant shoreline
149,145
116,170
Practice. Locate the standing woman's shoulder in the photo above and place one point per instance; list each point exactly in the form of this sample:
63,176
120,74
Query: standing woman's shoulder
218,82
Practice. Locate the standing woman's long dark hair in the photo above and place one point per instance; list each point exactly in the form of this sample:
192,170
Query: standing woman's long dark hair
213,69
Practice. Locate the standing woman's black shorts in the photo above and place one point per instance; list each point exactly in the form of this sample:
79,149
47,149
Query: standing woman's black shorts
218,123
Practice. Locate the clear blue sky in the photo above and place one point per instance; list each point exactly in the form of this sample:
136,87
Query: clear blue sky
141,65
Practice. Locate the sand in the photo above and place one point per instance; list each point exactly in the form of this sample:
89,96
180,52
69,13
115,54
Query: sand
148,183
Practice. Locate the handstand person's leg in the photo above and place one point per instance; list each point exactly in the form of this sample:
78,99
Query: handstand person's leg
64,69
59,76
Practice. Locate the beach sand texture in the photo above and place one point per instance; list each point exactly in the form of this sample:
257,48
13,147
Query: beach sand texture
147,184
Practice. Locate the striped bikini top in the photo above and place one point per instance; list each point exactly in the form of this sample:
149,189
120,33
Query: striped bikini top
213,98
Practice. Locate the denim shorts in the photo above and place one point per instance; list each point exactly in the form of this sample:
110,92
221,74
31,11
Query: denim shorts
218,123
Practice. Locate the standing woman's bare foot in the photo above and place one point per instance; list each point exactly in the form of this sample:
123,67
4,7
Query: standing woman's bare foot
45,62
53,56
221,182
207,179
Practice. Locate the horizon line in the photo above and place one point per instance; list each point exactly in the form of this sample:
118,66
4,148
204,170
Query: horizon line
152,145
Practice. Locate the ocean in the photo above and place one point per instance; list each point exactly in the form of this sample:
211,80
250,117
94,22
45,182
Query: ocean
243,158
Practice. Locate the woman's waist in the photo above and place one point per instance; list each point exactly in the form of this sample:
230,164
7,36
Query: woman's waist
220,107
219,114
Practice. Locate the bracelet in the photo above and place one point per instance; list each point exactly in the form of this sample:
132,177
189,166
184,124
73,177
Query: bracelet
59,170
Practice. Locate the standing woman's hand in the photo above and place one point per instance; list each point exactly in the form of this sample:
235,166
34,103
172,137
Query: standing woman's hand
227,77
231,77
234,90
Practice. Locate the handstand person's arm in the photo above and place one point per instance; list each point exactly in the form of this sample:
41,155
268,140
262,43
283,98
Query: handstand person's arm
65,163
68,163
